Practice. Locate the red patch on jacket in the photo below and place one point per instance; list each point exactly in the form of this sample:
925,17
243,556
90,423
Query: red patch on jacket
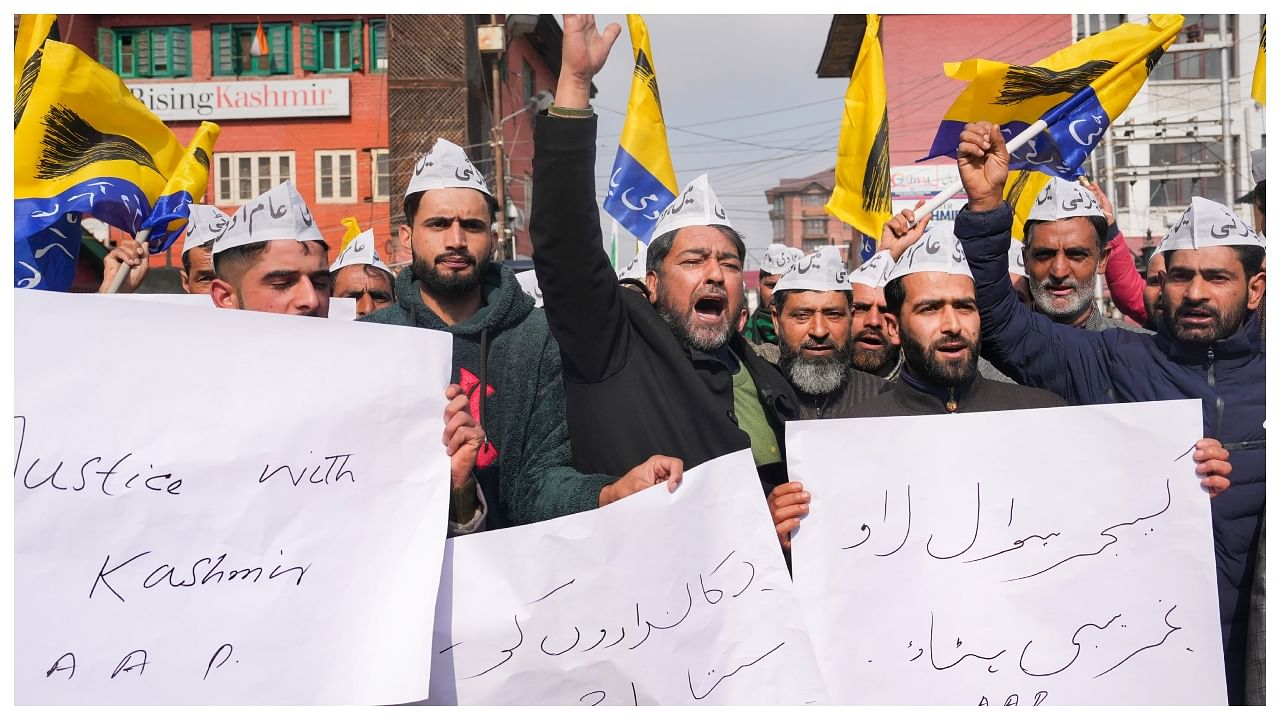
470,384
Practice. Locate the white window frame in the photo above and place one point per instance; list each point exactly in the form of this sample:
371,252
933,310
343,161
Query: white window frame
233,160
380,194
355,177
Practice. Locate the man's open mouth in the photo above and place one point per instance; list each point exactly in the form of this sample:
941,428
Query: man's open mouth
710,308
870,340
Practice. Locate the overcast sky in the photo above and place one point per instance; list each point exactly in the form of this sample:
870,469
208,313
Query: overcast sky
746,78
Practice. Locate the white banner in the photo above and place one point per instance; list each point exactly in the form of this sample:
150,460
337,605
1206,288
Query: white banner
242,99
205,513
1032,557
661,598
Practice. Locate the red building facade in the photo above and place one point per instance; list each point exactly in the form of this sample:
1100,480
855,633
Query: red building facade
312,110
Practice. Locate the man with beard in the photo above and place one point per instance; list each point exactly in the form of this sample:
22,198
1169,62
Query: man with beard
668,373
1065,251
271,257
1208,347
811,311
360,274
504,358
875,349
778,259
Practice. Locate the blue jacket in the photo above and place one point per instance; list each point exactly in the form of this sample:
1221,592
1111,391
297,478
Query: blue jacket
1229,376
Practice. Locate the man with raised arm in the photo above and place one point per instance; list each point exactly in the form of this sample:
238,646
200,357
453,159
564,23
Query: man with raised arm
667,374
1208,347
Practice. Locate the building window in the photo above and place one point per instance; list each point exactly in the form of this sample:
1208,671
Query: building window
815,227
813,200
380,167
232,56
779,230
1177,192
811,246
779,205
529,80
146,52
332,46
1197,64
240,177
378,45
335,176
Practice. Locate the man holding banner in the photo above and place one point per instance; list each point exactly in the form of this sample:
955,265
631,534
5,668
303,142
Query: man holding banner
1208,347
667,375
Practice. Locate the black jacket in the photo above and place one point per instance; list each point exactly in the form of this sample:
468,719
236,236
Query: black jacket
910,397
632,389
858,388
1228,376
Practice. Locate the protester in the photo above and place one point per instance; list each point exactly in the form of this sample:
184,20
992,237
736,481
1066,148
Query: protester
1123,279
1065,250
1151,291
1018,273
666,374
876,350
503,354
272,258
127,253
204,226
360,274
778,259
1208,348
932,303
812,314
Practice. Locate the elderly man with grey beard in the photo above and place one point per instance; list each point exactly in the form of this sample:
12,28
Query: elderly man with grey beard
1065,251
812,315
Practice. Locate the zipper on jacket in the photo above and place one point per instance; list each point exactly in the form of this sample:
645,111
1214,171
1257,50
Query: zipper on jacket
952,405
1209,369
1219,404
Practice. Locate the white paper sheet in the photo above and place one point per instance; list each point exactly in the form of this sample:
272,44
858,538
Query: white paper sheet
340,308
660,598
1087,576
145,497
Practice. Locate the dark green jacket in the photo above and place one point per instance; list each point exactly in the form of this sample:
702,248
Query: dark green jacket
507,349
759,328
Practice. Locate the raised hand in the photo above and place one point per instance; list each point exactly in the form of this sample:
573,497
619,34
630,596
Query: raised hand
983,161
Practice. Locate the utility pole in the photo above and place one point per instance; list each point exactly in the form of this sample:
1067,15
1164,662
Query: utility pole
497,142
1228,149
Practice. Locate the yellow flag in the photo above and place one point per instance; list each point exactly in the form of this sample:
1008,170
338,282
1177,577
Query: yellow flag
33,30
643,180
861,197
187,183
353,229
86,144
1260,70
1020,191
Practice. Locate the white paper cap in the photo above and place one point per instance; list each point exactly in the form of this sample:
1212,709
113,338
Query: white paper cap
696,204
1258,159
822,271
938,250
778,259
1064,199
204,226
360,251
278,214
445,165
1208,224
635,269
874,272
1017,263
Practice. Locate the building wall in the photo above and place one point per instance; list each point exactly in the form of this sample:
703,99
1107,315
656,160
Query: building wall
919,93
518,131
363,130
